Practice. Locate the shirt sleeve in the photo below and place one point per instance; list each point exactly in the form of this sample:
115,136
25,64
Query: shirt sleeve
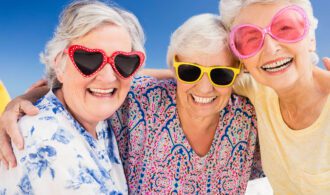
246,86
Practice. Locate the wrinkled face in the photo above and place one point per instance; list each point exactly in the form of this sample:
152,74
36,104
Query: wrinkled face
202,99
278,65
96,98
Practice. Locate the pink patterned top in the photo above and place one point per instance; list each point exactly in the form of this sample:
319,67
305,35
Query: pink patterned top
158,158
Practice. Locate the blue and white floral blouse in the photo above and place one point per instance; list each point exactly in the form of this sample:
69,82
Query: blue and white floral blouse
61,157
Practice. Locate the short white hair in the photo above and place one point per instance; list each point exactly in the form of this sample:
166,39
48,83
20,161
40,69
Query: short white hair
78,19
201,33
229,9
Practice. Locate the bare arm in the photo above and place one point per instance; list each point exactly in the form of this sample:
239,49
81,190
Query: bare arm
8,123
157,73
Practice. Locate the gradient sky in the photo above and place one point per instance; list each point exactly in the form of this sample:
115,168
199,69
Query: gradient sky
26,26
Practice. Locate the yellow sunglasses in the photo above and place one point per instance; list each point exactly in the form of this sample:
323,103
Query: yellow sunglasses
220,76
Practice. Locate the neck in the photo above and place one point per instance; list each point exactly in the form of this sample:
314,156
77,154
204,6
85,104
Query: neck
305,96
89,126
306,89
199,131
200,124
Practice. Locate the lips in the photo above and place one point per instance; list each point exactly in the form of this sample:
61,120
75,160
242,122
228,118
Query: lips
278,65
102,92
203,100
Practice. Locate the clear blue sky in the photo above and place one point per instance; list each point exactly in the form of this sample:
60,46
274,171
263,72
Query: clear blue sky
26,25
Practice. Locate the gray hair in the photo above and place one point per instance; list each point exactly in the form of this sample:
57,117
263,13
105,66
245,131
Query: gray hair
78,19
229,9
202,33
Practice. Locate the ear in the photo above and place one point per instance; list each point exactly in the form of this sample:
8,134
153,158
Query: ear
312,43
58,68
243,69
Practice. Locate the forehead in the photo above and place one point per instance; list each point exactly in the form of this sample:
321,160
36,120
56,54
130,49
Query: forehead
223,57
259,13
107,37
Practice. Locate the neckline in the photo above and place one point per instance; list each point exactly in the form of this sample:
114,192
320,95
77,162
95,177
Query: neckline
306,130
187,143
53,99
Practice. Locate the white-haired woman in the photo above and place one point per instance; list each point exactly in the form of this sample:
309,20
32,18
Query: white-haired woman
189,135
275,40
69,147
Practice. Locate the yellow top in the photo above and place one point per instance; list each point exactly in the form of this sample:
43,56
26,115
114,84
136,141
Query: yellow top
4,97
295,162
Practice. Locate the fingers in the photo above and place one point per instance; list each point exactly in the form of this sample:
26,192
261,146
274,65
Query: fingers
3,161
6,154
40,83
326,62
8,120
13,131
28,108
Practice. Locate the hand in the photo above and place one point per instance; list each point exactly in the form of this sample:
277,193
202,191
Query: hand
40,83
9,129
326,62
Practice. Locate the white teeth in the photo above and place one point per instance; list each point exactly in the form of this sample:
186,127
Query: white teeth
101,90
277,66
203,100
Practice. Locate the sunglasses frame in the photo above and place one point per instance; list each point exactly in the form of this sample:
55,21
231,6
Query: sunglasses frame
207,70
106,59
267,30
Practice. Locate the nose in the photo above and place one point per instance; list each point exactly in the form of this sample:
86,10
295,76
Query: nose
107,74
204,85
271,46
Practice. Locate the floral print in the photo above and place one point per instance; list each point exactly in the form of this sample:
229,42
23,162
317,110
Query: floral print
61,157
158,158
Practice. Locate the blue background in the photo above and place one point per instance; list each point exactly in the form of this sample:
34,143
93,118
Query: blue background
26,26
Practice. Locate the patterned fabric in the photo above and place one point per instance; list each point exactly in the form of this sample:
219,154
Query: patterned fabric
158,158
61,157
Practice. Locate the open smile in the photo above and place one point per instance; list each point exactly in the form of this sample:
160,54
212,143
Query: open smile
102,92
278,65
203,100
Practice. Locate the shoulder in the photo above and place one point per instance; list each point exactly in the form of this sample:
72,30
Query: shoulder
323,79
241,103
146,88
45,124
146,82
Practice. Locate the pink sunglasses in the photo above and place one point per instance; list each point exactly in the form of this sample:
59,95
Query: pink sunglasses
289,25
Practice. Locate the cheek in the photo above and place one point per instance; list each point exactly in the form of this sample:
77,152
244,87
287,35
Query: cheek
125,86
224,91
183,88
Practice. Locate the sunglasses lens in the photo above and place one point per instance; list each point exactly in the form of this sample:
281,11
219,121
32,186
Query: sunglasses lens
126,65
247,39
289,26
222,76
87,62
188,73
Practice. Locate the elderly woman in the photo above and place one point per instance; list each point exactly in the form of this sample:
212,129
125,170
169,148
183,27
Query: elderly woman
69,147
189,135
275,40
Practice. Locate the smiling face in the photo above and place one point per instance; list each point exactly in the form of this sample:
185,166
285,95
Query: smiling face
278,65
96,98
202,99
